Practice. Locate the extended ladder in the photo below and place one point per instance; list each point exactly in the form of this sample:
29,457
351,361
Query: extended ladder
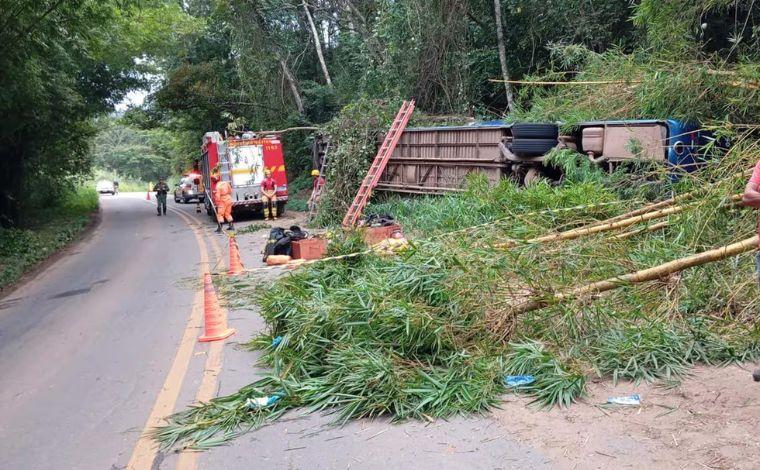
378,165
316,193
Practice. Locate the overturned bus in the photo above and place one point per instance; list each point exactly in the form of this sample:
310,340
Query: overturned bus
433,160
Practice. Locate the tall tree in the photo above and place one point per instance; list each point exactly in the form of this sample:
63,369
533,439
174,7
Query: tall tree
503,55
317,43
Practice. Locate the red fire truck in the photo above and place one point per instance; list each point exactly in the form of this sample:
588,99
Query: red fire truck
242,161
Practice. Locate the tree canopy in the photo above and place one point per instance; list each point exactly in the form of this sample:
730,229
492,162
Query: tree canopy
267,64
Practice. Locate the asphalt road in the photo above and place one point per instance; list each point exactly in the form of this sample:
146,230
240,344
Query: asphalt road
102,344
86,346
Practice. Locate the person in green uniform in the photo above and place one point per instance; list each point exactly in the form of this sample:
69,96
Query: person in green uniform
161,189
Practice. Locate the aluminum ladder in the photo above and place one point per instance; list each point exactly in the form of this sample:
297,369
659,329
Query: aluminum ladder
316,193
378,165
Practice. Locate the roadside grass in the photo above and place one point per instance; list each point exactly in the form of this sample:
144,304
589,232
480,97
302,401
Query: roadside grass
47,231
432,332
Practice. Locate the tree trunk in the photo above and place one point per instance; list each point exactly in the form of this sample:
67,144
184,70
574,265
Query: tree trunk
261,21
503,55
317,43
291,82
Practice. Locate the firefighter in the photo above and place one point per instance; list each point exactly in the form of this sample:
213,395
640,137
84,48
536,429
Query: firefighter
201,190
316,190
161,189
223,195
269,195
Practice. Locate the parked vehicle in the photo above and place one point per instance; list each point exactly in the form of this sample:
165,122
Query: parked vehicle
189,190
241,161
105,187
434,160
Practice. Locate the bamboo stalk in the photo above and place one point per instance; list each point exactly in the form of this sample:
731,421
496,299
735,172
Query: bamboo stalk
650,228
643,210
577,233
645,275
592,82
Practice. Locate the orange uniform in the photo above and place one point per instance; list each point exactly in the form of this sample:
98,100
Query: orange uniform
223,202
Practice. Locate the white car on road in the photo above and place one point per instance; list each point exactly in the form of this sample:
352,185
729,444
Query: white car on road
104,186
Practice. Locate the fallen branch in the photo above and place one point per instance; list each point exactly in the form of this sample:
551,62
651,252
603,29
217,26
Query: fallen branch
646,275
283,131
577,233
592,82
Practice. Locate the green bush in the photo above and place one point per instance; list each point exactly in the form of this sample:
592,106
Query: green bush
48,230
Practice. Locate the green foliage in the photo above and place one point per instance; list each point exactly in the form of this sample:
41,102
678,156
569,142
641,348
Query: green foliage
555,383
53,228
143,155
353,137
422,335
63,64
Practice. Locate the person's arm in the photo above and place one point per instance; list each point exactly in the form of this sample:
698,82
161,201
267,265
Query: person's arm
751,196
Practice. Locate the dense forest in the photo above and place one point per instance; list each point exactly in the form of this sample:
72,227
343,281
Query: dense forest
272,64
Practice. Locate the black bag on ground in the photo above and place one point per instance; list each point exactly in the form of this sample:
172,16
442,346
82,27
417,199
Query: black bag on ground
280,240
378,220
278,243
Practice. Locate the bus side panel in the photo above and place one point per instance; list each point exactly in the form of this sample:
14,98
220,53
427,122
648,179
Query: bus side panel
275,162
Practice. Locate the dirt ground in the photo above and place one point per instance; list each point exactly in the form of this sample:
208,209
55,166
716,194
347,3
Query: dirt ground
709,421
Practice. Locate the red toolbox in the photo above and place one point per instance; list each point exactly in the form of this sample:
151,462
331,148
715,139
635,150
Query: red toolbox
374,235
310,248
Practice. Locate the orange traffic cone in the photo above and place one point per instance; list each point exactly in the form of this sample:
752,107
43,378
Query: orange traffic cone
215,320
147,195
236,266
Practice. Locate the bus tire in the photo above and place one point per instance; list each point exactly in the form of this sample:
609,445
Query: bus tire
522,130
532,147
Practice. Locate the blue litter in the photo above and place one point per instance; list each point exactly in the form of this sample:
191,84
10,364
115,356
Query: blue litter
276,341
518,380
262,402
630,400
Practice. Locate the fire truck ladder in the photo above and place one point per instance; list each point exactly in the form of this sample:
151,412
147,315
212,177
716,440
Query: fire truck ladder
378,165
316,193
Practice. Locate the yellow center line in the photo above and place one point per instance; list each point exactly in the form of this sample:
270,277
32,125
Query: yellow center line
188,460
145,450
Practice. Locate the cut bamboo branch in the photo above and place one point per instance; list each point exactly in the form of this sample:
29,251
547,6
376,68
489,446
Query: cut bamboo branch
651,228
592,82
577,233
643,210
646,275
290,129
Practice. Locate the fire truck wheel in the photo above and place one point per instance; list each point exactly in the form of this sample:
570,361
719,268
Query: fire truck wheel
522,130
